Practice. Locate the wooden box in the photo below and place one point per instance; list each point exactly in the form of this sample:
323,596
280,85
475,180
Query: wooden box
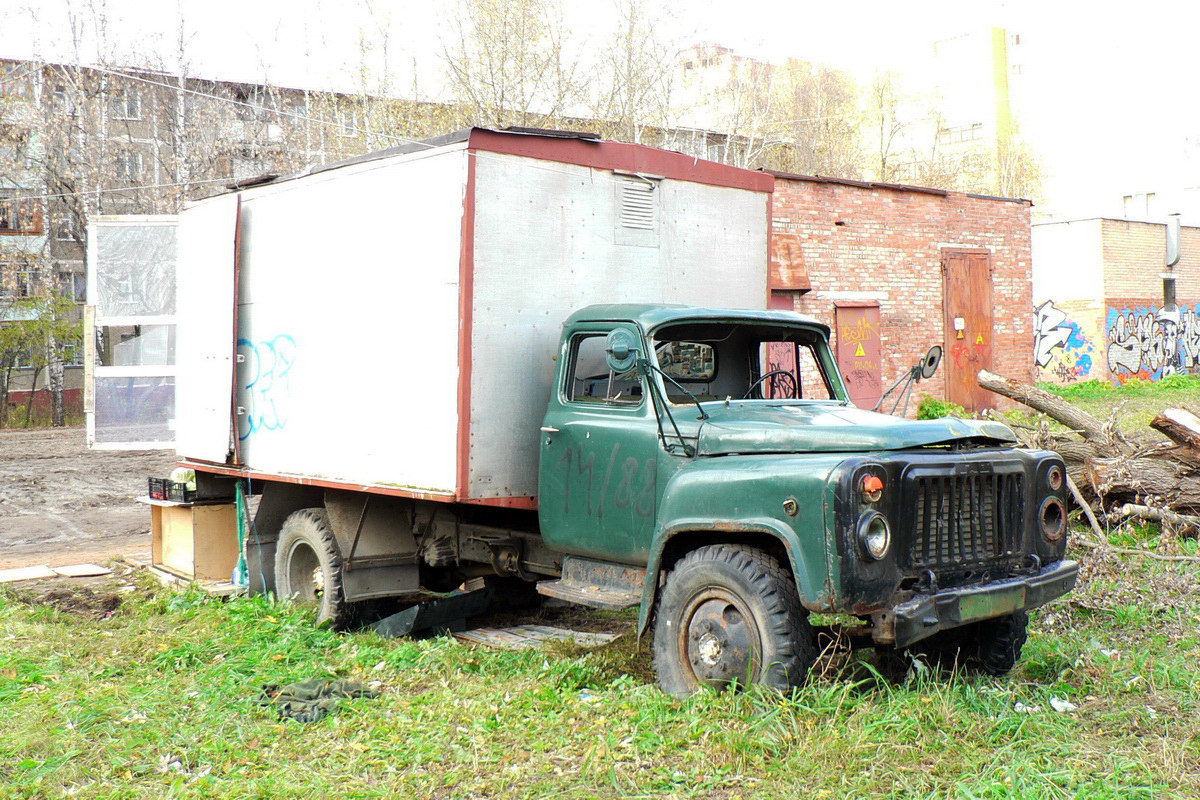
194,541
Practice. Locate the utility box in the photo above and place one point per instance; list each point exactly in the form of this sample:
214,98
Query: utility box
393,321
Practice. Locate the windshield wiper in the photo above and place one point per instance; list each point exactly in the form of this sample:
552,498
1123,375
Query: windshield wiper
661,405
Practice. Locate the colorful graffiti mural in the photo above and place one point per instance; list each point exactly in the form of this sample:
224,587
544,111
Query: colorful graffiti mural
1150,343
1062,349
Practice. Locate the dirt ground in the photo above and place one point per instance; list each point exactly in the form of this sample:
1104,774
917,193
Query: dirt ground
61,503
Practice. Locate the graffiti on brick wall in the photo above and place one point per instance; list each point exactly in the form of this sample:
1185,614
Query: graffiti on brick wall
1062,350
1150,343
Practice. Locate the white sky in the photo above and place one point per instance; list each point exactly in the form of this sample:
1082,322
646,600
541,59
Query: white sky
1111,88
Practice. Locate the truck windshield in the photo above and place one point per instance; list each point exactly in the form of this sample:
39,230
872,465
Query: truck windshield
714,361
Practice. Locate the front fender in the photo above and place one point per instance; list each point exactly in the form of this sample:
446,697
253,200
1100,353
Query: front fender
744,496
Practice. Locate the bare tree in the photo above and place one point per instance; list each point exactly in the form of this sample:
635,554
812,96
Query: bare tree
632,95
820,120
507,63
889,125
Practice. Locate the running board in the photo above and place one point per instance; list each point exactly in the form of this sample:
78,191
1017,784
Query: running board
599,584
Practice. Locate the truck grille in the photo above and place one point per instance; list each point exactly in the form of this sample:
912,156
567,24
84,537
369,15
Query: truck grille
965,519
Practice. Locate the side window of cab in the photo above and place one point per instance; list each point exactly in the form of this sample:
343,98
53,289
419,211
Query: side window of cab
589,380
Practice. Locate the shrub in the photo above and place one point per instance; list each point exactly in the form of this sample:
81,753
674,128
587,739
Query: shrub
934,408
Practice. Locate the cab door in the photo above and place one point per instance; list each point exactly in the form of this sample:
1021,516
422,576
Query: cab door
598,472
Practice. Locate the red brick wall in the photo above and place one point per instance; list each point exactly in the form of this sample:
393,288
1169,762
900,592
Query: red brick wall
860,242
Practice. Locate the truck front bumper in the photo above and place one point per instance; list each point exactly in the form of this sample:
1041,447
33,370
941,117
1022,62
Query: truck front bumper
926,614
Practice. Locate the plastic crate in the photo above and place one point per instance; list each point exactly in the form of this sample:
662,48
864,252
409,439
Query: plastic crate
179,492
167,489
158,489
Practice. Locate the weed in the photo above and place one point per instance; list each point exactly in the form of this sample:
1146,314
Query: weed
932,407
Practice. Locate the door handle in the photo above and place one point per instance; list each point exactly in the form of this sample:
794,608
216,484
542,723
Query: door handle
548,429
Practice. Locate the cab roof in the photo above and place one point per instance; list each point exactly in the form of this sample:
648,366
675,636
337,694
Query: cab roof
654,315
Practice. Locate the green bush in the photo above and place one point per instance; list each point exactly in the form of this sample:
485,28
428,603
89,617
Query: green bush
934,408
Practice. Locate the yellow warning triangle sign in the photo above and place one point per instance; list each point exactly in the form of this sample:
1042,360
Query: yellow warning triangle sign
860,351
979,339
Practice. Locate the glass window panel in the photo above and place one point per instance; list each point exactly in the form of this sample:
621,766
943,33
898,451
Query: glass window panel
135,275
135,345
135,410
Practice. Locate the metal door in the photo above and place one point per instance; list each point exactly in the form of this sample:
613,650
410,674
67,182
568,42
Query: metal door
597,492
967,282
859,351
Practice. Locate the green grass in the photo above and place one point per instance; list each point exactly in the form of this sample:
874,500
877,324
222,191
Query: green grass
160,700
1137,402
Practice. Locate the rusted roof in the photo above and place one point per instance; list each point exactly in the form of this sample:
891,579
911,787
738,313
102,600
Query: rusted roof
895,187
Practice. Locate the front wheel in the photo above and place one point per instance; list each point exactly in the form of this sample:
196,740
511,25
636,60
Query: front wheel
992,646
730,615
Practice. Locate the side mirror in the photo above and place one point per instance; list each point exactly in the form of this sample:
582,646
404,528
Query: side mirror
621,350
929,363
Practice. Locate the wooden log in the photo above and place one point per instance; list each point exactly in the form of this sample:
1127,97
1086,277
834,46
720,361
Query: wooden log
1156,515
1179,425
1156,477
1054,407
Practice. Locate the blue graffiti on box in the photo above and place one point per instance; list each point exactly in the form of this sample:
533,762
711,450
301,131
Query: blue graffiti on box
266,389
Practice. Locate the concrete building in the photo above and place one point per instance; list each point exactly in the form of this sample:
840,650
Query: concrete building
1098,297
79,142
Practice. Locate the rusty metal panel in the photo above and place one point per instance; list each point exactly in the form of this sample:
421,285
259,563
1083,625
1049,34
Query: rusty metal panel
788,270
859,351
967,282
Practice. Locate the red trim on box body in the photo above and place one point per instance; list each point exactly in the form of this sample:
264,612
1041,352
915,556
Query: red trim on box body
304,480
525,502
466,300
622,156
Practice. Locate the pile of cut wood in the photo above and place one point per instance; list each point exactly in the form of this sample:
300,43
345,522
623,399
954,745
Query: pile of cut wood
1121,474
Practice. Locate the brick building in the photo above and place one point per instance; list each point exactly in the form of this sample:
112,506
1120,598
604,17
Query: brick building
895,269
1098,297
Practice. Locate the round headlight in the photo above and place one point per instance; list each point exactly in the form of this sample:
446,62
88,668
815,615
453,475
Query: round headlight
874,535
1055,478
1053,517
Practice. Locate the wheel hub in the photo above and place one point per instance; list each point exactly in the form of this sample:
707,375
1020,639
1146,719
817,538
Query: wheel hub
719,640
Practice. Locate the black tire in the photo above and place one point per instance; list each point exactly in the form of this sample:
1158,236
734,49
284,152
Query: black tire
998,642
992,646
730,613
308,567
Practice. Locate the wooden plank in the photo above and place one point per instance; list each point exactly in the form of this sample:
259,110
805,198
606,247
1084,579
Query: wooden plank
520,637
81,571
26,574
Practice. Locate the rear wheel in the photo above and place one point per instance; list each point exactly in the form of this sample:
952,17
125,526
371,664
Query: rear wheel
730,615
308,566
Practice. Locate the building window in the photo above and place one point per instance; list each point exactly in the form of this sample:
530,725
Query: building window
14,81
129,166
63,101
18,212
125,104
960,133
72,355
66,229
347,120
26,284
73,286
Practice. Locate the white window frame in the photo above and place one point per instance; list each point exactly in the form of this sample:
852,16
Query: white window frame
93,321
128,105
125,161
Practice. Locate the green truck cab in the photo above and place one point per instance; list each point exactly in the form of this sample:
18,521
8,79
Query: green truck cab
714,458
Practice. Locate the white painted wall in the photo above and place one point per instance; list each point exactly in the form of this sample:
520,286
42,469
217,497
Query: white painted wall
349,322
1068,261
546,244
